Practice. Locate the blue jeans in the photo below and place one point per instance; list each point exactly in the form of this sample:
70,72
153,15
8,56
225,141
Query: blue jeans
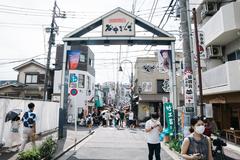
154,148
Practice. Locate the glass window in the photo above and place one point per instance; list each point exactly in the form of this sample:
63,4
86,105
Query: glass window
238,54
31,79
90,62
82,58
88,82
231,56
81,82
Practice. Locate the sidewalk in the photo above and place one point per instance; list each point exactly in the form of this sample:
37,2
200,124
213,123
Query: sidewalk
63,144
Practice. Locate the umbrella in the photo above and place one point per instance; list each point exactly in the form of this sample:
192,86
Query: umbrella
11,115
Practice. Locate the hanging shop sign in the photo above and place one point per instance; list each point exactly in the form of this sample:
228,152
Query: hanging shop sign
164,60
188,88
202,47
73,59
118,24
169,115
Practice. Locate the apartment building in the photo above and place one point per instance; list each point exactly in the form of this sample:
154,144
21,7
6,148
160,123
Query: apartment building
219,22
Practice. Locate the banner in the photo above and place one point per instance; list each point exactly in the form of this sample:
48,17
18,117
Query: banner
169,116
164,60
73,59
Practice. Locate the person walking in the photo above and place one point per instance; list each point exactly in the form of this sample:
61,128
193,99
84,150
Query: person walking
14,133
89,122
196,146
29,126
153,129
131,120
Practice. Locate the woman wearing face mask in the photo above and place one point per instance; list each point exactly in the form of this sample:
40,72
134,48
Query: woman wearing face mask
196,145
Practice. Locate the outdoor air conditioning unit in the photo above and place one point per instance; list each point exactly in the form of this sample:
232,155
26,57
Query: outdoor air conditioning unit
208,9
214,51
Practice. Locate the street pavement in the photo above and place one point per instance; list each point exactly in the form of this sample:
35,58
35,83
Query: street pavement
113,144
63,144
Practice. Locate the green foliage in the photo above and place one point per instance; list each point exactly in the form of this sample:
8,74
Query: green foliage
45,151
48,148
175,144
32,154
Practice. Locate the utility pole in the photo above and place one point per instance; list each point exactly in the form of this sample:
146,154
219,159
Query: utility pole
53,30
198,62
188,72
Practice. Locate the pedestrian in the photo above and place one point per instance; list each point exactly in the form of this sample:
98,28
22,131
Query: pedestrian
29,126
14,133
89,122
196,145
153,129
121,118
130,118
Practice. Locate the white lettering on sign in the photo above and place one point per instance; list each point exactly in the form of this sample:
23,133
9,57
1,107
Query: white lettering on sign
118,24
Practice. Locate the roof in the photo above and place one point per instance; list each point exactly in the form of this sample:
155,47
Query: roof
29,62
161,37
16,84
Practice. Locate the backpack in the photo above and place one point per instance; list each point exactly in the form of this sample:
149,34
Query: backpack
89,120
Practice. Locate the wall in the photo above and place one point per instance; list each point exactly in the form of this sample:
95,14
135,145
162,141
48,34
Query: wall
47,115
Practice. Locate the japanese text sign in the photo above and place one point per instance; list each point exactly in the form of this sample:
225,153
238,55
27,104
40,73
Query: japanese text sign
118,24
169,115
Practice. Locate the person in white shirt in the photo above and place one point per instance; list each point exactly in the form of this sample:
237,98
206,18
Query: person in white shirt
131,120
153,129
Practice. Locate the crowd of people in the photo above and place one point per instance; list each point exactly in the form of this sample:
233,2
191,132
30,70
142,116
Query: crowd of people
108,118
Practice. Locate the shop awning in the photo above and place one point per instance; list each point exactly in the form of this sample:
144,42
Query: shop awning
152,97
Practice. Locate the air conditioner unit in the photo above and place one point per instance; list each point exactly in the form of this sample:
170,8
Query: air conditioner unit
208,9
214,51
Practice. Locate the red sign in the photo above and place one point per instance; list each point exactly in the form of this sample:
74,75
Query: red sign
74,92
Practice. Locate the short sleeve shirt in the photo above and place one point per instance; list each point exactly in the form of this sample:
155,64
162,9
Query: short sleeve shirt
29,119
153,135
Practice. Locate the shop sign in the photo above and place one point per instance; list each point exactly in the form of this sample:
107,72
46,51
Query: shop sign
118,24
169,115
188,88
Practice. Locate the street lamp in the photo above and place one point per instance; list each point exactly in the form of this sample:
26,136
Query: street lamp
120,69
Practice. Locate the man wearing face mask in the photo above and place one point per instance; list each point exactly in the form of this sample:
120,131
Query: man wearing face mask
197,146
153,128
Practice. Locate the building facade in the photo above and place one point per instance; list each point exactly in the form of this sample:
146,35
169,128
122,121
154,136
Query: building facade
80,74
220,24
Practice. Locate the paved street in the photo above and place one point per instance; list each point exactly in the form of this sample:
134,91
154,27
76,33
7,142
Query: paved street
113,144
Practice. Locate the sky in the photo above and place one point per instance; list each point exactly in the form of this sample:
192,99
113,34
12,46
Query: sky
23,36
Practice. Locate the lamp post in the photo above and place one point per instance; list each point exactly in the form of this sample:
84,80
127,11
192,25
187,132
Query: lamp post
120,69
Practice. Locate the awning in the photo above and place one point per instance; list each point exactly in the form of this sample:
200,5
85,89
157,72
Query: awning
152,97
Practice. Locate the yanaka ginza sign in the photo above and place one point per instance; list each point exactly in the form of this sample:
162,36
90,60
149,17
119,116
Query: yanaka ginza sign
118,24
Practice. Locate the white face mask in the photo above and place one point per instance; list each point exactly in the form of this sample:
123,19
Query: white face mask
199,129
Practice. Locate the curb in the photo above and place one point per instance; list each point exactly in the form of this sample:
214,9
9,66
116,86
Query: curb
171,153
70,147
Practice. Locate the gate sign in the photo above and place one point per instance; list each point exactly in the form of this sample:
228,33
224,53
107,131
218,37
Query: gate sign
118,24
73,91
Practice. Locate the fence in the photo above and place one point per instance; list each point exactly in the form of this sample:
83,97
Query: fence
47,116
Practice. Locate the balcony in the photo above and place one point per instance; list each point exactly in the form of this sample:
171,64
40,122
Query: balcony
222,79
224,26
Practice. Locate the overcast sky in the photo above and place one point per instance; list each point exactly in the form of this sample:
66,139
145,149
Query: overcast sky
23,36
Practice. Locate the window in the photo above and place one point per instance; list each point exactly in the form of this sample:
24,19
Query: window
234,56
90,62
81,82
31,79
88,82
162,86
82,58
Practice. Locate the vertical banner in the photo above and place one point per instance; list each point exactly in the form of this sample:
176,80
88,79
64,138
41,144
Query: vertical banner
73,59
164,60
169,116
188,88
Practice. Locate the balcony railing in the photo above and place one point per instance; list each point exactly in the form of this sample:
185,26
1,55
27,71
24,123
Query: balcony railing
223,27
222,79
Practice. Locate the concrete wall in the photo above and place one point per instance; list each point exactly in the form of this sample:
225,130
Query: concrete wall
47,116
